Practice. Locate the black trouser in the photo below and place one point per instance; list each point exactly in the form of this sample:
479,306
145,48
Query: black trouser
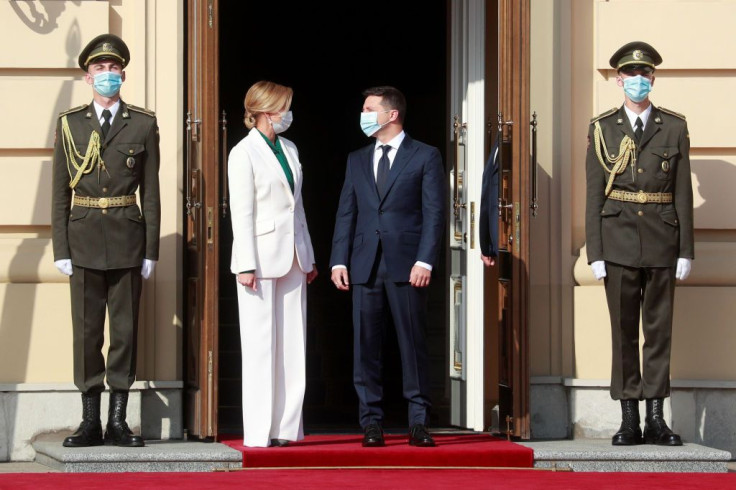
94,292
372,304
633,293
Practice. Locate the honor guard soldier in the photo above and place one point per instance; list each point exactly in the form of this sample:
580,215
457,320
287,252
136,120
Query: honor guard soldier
104,152
639,232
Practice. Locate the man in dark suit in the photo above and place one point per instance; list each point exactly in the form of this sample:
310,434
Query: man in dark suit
488,223
388,234
639,231
104,152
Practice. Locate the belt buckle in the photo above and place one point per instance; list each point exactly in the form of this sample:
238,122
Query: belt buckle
103,202
642,197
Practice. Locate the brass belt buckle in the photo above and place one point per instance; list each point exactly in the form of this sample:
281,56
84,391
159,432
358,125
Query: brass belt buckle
103,202
641,197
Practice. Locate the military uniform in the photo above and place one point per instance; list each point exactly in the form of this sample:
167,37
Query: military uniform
639,220
98,224
112,238
637,233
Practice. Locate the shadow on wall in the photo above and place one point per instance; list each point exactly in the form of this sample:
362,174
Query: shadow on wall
713,192
16,319
41,22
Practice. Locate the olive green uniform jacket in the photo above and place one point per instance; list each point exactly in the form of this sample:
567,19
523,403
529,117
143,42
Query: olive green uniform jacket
637,234
116,237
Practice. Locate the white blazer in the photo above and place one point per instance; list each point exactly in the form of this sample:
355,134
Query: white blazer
269,223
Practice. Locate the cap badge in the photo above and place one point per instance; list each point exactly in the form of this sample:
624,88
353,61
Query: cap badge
637,54
107,47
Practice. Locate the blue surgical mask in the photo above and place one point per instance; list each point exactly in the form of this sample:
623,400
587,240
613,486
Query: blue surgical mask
282,125
108,83
369,122
637,88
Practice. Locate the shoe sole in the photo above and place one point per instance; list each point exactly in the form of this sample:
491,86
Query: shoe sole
100,443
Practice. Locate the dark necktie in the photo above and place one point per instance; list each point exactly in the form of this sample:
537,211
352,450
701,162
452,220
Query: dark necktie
382,173
106,115
639,129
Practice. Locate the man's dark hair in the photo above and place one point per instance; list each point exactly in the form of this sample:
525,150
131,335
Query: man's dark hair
392,98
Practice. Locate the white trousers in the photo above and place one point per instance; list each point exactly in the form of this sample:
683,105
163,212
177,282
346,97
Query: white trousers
273,323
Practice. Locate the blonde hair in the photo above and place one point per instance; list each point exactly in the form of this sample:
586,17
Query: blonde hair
263,97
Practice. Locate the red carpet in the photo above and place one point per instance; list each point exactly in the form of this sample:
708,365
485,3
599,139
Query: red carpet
423,479
345,451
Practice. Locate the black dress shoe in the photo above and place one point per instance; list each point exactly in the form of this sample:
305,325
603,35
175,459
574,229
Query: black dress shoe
657,432
119,434
629,434
418,436
373,436
88,434
279,443
655,428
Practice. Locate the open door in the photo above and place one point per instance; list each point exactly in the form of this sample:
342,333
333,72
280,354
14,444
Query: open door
466,156
489,99
201,186
514,213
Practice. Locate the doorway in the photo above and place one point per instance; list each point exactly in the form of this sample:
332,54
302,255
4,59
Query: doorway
390,43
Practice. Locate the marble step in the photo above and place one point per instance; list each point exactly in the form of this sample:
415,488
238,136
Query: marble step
169,456
600,455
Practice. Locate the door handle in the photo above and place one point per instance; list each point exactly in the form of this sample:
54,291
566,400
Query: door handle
224,179
534,205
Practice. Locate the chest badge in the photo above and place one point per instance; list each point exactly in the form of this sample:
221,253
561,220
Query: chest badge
665,166
130,162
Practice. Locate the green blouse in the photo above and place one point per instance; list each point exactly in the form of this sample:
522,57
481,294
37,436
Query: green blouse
281,157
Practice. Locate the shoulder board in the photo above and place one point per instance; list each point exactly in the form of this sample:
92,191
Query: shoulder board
141,110
75,109
604,115
672,113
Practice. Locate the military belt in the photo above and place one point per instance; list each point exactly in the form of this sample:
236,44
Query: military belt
641,197
104,202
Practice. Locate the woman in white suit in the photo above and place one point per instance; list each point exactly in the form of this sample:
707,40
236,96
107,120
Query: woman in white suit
273,261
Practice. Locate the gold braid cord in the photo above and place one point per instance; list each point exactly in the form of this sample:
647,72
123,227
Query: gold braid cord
626,154
91,157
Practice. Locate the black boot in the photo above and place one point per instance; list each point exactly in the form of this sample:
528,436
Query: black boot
89,432
117,430
655,428
629,433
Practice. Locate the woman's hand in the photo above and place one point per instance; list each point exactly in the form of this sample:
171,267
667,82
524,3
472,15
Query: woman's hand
311,276
248,279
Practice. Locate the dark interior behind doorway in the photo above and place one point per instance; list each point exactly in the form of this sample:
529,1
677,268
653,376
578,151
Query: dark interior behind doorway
328,64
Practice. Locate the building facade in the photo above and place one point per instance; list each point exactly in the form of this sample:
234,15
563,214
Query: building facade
569,81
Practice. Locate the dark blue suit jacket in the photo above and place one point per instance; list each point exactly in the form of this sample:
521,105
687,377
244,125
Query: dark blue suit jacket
488,226
409,221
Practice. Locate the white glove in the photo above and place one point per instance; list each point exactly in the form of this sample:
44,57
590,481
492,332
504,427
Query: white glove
683,269
64,266
147,269
599,269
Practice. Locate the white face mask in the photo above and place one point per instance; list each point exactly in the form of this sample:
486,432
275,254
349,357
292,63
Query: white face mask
282,125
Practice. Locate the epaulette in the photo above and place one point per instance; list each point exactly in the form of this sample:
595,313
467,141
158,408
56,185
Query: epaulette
75,109
672,113
605,114
141,110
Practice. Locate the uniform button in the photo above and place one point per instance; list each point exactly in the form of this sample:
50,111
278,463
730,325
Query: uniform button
378,232
104,211
640,213
104,189
291,209
641,170
380,212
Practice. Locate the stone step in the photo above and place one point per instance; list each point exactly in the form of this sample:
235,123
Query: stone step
169,456
600,455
